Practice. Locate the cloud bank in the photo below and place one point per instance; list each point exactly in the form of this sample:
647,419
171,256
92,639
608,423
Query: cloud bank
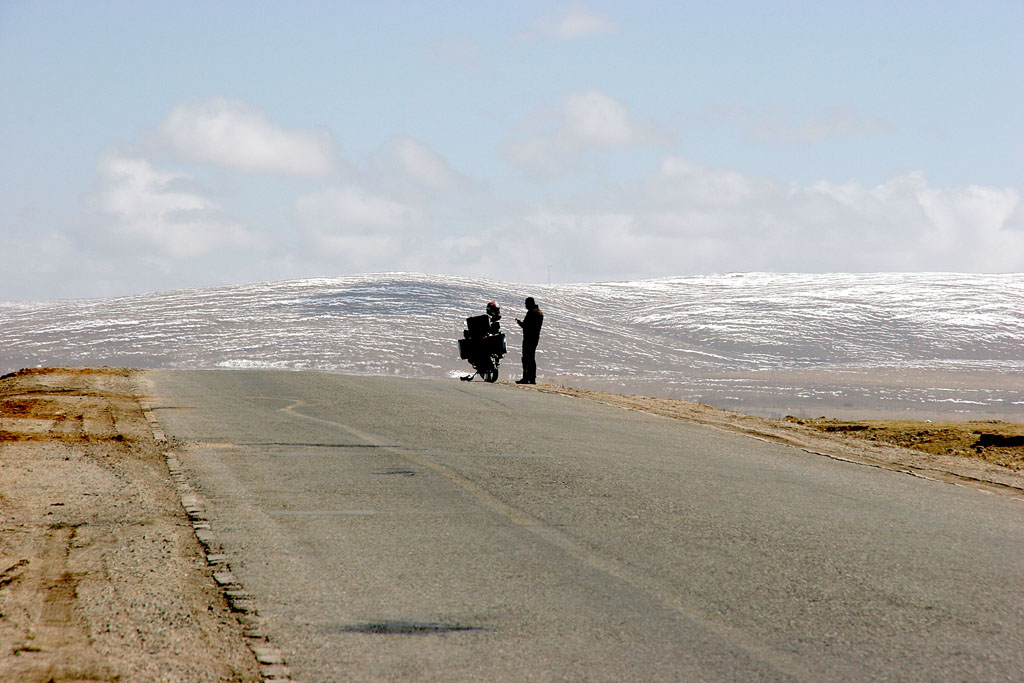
583,122
235,135
686,218
409,208
167,212
424,166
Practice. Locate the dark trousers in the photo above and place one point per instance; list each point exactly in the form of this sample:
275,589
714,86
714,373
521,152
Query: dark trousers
530,363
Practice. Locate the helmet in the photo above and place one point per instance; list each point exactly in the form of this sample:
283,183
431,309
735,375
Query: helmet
493,308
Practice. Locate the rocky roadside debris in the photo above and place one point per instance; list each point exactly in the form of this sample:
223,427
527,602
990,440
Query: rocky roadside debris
101,575
984,455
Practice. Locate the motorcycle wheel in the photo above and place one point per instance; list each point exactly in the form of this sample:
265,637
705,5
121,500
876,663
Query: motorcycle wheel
491,376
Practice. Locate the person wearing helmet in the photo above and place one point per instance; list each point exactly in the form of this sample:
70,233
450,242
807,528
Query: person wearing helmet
494,313
531,337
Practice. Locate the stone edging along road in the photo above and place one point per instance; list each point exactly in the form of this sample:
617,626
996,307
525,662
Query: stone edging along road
272,665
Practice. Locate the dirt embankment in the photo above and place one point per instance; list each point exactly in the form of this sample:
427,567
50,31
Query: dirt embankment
101,576
985,455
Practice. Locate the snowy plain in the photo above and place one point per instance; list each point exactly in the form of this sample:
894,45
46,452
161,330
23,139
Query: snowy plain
886,345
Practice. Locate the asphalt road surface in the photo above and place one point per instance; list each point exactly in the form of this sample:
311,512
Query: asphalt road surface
396,529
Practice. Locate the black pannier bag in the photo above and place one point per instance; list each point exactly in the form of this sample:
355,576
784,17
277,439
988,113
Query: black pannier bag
496,344
467,348
478,325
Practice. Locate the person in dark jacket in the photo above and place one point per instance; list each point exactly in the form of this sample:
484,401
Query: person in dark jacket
531,336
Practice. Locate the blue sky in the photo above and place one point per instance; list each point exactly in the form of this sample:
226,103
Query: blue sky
151,146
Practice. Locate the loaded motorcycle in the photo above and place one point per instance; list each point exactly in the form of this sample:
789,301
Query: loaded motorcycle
483,344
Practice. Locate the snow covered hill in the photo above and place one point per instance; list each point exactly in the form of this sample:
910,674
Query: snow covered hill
766,343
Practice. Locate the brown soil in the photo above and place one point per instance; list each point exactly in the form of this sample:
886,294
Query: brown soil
984,455
101,576
996,442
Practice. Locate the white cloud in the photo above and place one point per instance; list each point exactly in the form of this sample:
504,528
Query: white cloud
595,118
368,231
424,166
687,218
352,208
570,22
583,122
681,182
236,135
683,218
136,203
976,225
42,261
1015,223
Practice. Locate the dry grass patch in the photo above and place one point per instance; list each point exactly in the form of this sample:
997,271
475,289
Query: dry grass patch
1001,443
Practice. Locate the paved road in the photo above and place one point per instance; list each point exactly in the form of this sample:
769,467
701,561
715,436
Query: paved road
437,530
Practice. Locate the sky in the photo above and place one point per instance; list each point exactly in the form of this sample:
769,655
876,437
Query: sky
149,146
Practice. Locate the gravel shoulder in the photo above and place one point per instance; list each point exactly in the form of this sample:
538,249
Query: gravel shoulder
101,575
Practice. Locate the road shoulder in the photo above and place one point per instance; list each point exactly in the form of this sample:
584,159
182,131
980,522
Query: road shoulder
101,575
960,471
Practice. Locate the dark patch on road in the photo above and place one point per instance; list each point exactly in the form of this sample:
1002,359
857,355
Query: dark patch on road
399,472
405,628
313,445
446,454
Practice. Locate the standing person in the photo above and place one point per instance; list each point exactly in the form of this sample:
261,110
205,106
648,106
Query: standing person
531,336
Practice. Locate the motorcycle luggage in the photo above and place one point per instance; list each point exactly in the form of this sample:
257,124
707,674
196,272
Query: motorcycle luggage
466,348
478,325
496,344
